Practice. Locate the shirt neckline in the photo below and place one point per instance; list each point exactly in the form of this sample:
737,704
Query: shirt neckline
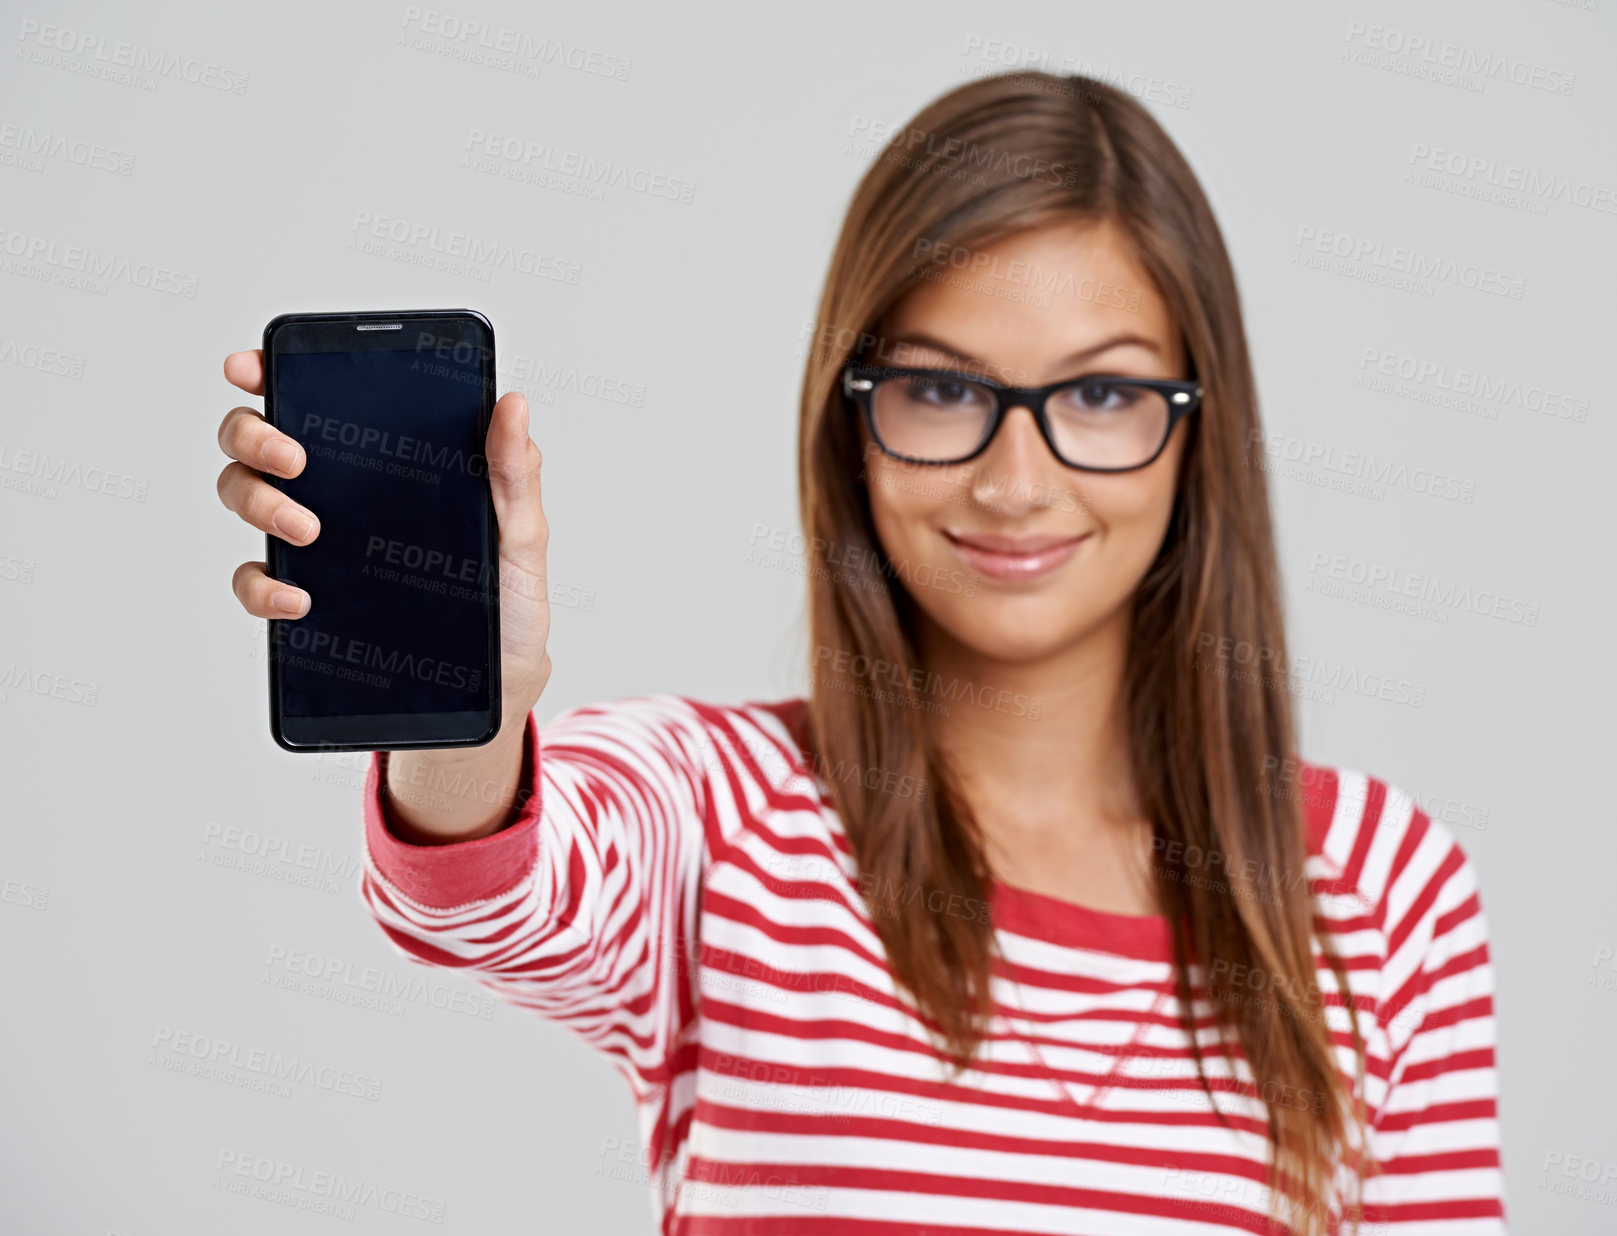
1024,912
1056,920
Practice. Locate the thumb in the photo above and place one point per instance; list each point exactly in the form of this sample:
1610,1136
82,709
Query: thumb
513,471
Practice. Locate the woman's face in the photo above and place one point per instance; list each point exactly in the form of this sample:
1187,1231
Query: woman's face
1053,303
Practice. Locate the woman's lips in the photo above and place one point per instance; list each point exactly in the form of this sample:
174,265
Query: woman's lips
1007,557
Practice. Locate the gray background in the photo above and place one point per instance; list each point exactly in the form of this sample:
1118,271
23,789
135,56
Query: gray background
123,921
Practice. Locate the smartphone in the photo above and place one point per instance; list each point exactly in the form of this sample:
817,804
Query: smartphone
401,644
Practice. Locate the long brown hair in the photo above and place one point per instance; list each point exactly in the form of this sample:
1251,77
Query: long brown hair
1212,754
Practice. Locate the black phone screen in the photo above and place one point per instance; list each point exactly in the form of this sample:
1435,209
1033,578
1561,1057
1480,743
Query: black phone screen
400,573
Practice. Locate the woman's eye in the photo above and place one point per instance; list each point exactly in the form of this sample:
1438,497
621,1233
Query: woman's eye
940,392
1100,397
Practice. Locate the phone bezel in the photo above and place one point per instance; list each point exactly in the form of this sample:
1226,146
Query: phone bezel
386,731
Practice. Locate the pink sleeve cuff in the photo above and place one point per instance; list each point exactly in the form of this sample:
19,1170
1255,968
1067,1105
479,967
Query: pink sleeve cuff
444,876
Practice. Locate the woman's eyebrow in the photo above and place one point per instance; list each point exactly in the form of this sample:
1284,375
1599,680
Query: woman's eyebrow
937,345
1116,341
966,360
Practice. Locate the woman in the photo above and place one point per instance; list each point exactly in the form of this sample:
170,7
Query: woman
1028,918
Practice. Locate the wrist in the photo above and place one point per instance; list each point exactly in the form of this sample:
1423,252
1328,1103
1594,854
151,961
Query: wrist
515,721
512,727
457,793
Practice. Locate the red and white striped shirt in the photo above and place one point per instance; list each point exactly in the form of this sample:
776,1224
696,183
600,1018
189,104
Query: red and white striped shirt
679,891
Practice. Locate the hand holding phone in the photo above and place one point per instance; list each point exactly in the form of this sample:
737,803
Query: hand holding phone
253,487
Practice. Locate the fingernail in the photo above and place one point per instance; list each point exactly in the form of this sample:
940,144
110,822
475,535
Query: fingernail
289,601
282,456
295,523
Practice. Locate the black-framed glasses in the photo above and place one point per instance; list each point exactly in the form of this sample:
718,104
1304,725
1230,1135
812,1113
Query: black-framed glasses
1098,423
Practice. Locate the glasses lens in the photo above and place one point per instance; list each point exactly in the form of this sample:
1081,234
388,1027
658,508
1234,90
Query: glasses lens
1105,424
939,418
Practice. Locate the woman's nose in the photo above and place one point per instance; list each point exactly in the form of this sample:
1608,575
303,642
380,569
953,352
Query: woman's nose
1014,462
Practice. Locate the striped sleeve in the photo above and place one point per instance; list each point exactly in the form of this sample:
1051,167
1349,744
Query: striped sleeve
1435,1133
583,910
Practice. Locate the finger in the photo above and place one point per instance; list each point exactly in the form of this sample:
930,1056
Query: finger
269,510
244,434
246,370
263,597
513,469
